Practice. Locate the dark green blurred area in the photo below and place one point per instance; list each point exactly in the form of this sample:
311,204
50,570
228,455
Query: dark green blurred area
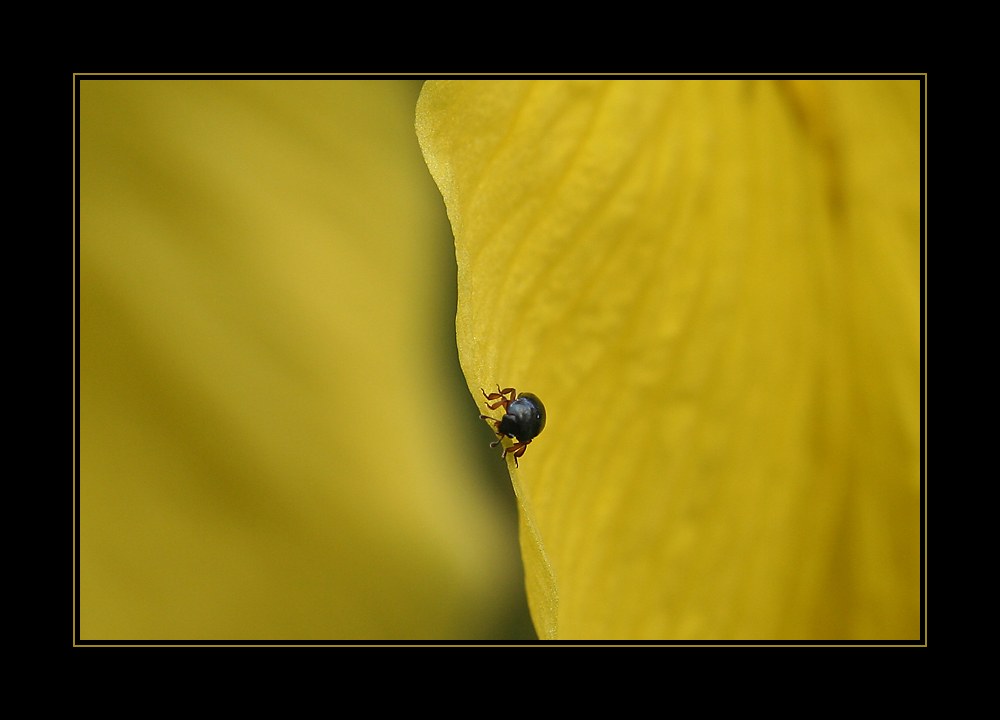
256,375
477,434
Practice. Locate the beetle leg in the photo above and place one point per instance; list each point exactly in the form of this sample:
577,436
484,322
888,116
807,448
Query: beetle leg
505,391
493,396
517,450
502,395
496,424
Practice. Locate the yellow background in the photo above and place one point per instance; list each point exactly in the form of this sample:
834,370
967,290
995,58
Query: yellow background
271,443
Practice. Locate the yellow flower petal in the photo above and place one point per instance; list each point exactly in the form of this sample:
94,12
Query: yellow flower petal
714,288
261,414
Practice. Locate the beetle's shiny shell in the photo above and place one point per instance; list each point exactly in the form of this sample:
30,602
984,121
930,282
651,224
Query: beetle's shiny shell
524,419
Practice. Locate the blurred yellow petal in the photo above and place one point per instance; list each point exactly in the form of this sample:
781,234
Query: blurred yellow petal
714,288
265,448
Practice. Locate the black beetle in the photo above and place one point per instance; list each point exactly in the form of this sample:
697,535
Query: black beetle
523,419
